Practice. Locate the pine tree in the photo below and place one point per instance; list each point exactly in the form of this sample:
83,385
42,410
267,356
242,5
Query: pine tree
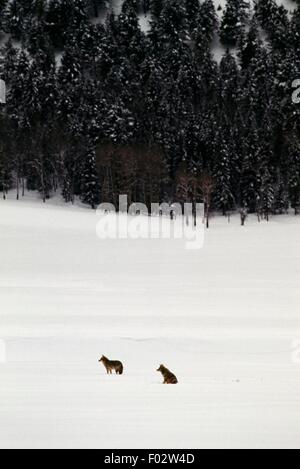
250,176
267,193
207,20
96,5
208,74
6,166
294,177
192,8
151,102
129,34
129,5
274,19
9,61
14,16
65,19
229,84
281,195
223,195
232,21
257,87
38,40
171,24
249,44
90,185
156,7
3,4
66,189
70,82
295,30
56,21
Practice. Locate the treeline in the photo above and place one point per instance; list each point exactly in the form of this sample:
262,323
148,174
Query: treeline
96,110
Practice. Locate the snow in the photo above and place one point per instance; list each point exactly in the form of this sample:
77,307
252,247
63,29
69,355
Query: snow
225,319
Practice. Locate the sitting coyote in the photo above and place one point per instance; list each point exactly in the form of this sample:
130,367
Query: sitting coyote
111,365
169,378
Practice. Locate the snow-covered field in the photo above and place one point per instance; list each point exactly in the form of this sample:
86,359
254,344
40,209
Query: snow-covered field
223,318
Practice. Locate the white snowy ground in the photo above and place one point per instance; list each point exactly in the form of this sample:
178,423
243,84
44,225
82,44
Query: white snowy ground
223,318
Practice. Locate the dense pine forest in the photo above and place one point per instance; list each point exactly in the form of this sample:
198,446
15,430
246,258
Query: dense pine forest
101,108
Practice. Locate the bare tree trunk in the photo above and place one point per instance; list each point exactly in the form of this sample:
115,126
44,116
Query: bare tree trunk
18,187
3,185
206,184
187,220
207,215
243,214
95,6
43,185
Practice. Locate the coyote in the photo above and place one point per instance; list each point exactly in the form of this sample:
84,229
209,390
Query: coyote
111,365
169,378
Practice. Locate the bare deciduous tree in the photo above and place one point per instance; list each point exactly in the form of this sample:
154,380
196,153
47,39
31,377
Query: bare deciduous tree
186,189
206,185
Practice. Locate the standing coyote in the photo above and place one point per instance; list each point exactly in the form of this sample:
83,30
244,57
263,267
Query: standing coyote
111,365
169,378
